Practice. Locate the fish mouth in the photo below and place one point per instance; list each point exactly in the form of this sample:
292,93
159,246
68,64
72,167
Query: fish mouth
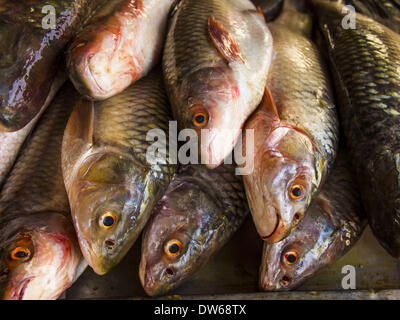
271,237
18,292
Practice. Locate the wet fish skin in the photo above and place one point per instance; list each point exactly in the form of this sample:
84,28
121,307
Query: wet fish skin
35,214
11,142
295,129
332,225
222,85
365,64
202,209
113,52
30,54
106,172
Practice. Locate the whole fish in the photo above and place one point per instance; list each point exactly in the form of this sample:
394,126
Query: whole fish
365,63
332,225
196,217
33,34
113,52
11,142
111,181
216,59
39,253
295,129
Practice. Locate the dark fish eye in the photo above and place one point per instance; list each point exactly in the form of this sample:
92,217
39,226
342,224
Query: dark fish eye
20,253
173,248
108,220
200,119
297,192
291,257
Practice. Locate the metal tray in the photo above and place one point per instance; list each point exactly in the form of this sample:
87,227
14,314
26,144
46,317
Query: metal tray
233,274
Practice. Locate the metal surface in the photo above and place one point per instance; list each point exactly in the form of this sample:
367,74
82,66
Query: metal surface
233,274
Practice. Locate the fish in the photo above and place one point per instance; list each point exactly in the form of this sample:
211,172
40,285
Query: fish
216,59
33,34
12,142
39,252
296,128
119,48
196,217
332,226
270,8
386,12
112,180
365,66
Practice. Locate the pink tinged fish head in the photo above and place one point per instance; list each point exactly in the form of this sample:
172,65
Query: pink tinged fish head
178,239
39,257
109,204
213,108
287,264
98,66
283,184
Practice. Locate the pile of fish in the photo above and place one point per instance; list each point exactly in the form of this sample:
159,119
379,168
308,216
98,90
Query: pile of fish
90,161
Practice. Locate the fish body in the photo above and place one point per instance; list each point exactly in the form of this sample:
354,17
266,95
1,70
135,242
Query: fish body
332,225
196,217
112,187
31,48
216,59
11,142
295,129
114,51
365,63
39,253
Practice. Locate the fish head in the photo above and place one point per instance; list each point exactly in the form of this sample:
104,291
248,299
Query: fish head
287,179
39,257
110,200
176,239
314,244
211,108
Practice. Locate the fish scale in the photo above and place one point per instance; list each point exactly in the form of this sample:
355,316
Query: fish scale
371,119
106,169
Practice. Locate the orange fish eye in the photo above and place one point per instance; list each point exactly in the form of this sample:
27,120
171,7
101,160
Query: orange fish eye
173,248
20,254
297,192
108,220
200,119
291,257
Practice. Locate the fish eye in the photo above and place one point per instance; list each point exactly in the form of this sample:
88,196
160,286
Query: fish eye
173,248
291,257
200,119
297,192
108,220
20,254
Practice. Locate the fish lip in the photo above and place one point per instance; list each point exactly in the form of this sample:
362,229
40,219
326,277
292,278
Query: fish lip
271,235
18,292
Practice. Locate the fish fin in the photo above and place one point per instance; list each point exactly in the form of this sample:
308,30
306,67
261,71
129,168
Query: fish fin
81,123
324,204
223,41
260,13
268,104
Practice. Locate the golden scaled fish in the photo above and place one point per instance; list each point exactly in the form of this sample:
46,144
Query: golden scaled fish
216,60
112,187
39,252
295,129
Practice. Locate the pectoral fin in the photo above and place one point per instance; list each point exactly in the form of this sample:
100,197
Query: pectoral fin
224,42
